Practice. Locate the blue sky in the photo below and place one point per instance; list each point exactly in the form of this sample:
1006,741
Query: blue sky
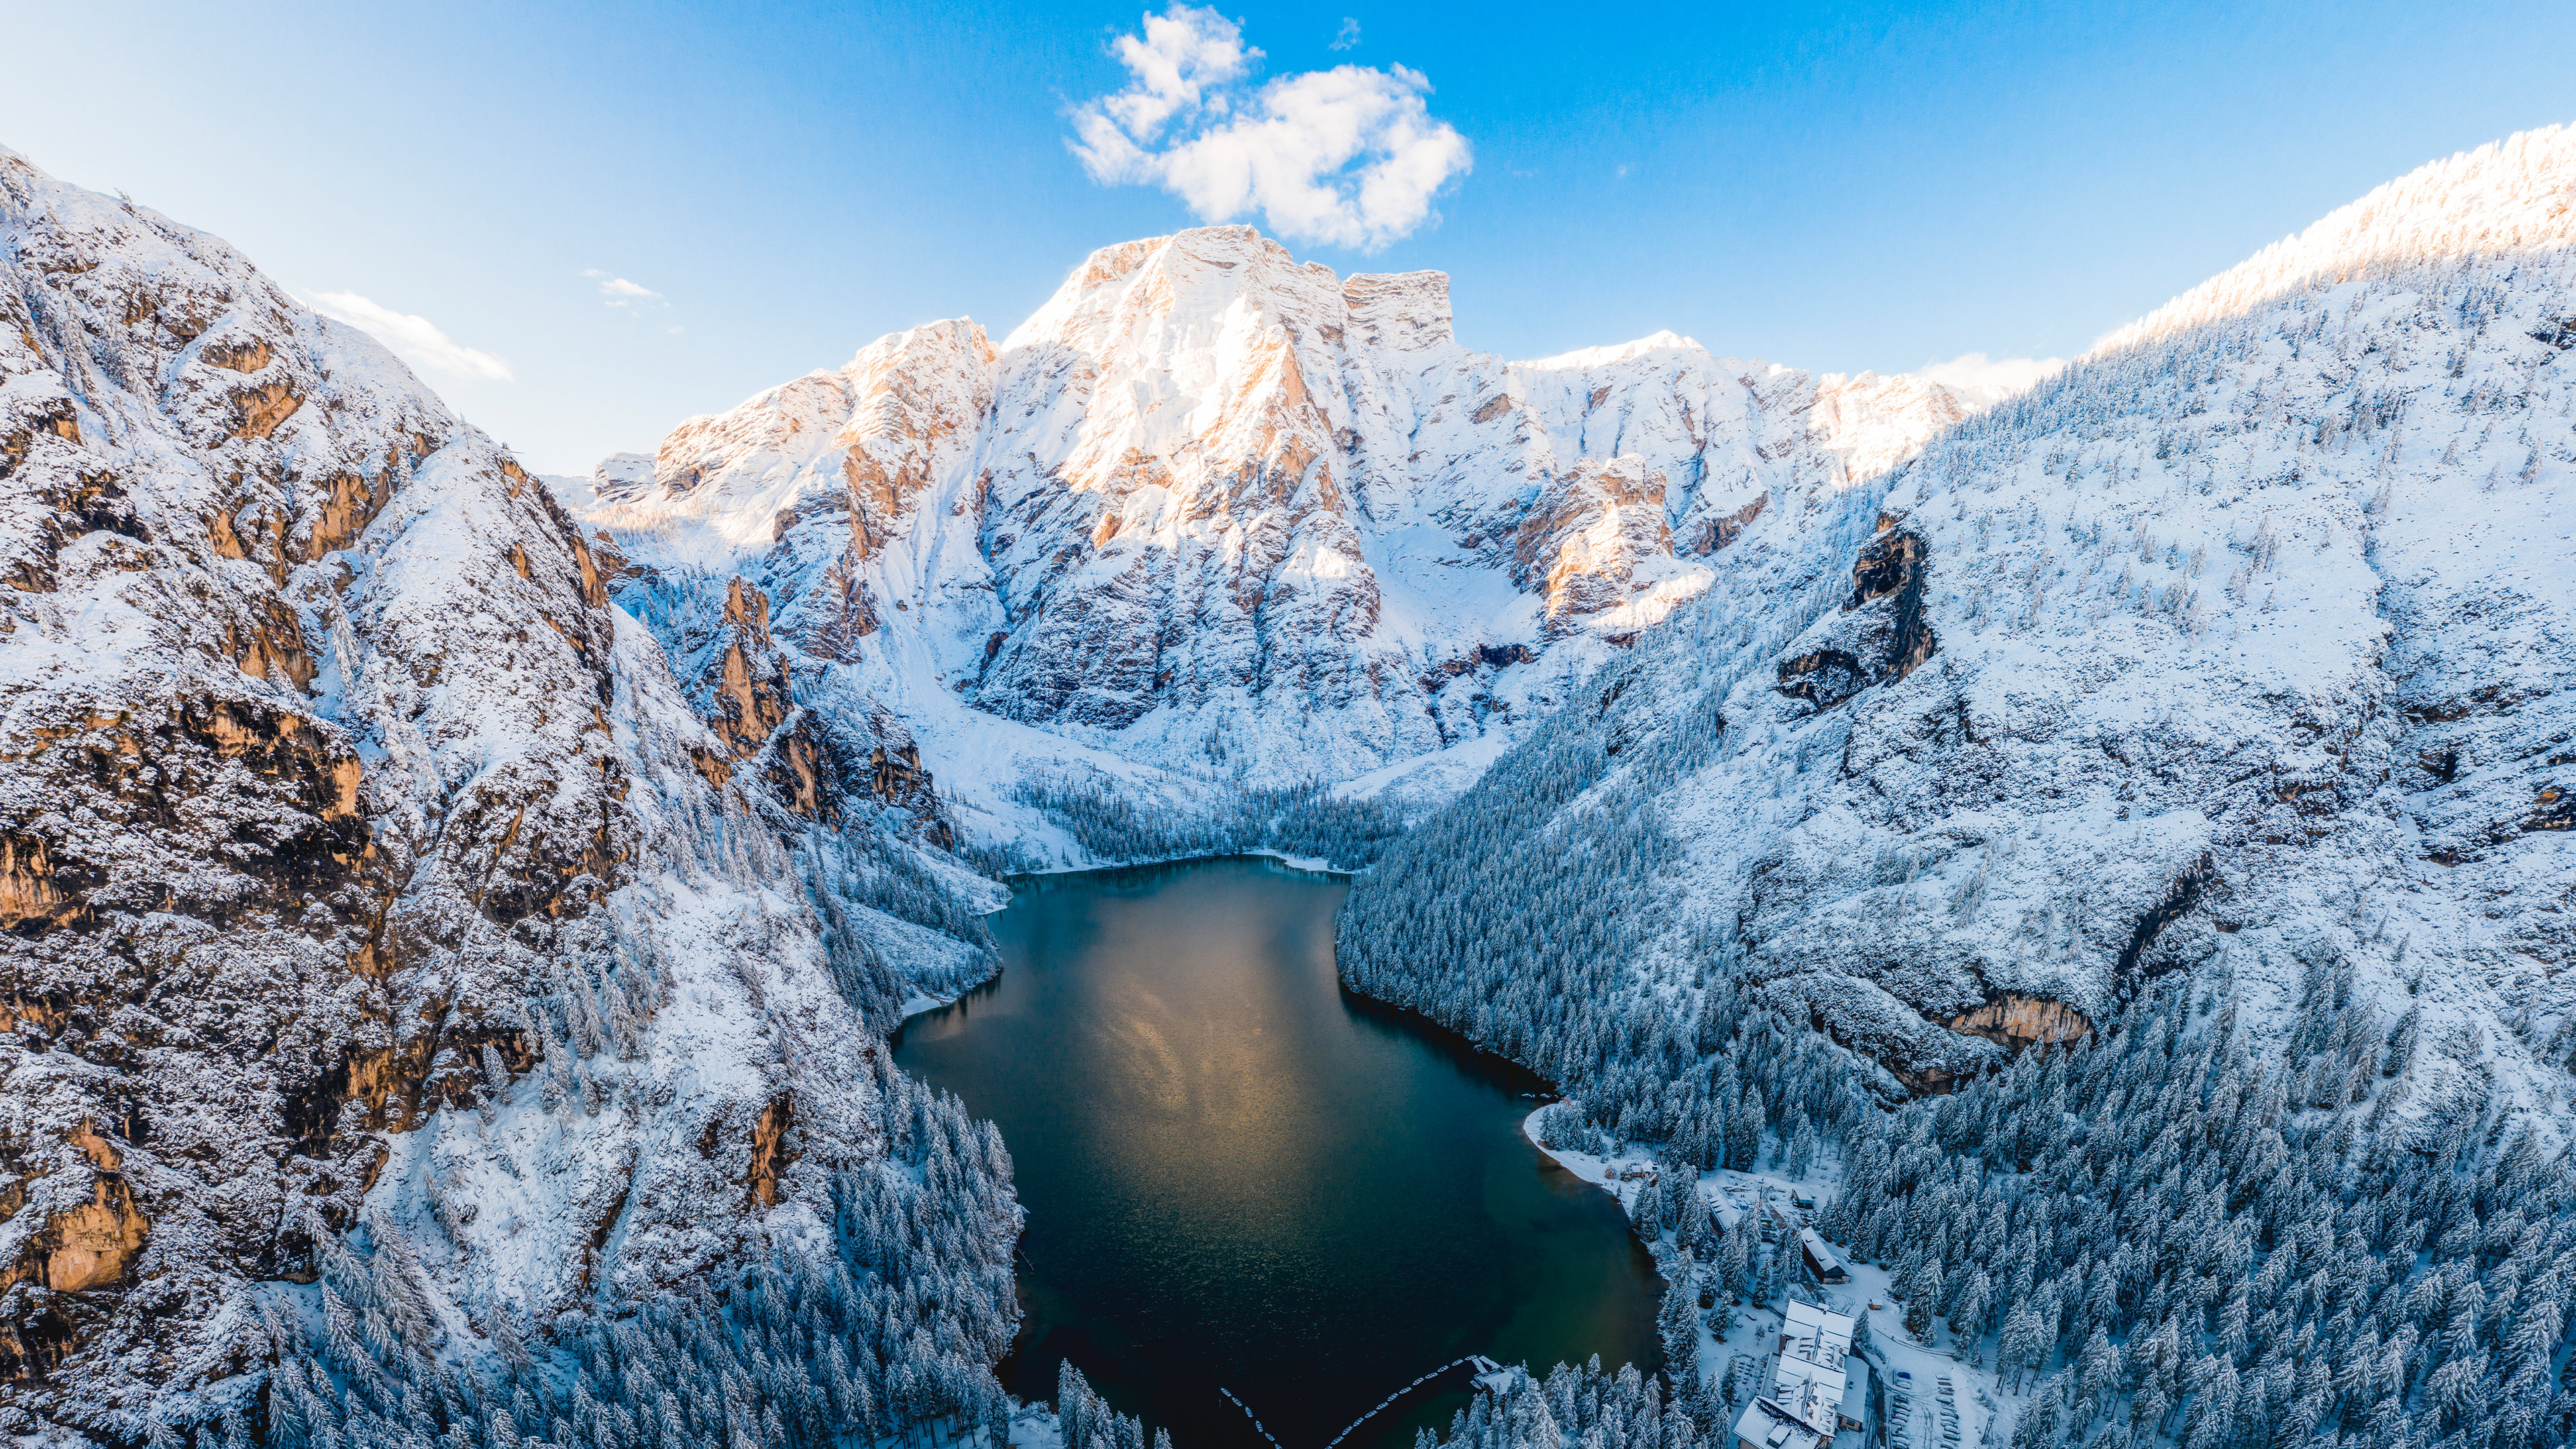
1835,187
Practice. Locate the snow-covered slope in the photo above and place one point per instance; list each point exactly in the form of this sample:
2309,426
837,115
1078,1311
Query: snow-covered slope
2193,731
435,932
1215,512
2246,646
378,906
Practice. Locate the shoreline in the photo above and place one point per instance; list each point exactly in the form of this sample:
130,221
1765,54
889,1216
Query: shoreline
1980,1396
1314,864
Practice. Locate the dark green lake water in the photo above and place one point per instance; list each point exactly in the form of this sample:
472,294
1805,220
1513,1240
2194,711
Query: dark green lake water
1238,1174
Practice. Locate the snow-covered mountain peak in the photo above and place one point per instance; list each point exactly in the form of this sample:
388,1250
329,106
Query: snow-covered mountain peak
2507,196
1196,358
869,434
1175,285
1587,357
1207,481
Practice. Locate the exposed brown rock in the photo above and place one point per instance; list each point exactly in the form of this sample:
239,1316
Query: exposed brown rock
1717,533
258,411
770,1154
56,419
1824,677
28,890
248,356
86,1247
748,609
594,577
1881,647
1584,538
46,1017
349,504
799,771
1887,564
1923,1081
751,686
1892,567
397,1088
283,746
897,778
273,648
840,613
2011,1019
102,1153
225,538
2553,808
30,1351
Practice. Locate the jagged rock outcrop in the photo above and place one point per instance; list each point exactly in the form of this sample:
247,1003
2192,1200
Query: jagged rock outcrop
1599,539
1882,636
357,871
819,764
751,699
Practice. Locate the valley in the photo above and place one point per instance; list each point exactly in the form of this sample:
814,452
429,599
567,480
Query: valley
1240,1177
781,942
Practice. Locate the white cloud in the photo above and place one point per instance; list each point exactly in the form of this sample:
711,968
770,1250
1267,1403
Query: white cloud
414,339
620,292
1990,379
1349,156
1349,38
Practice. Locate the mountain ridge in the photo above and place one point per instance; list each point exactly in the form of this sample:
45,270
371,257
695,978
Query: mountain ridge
1205,489
451,940
395,961
2010,757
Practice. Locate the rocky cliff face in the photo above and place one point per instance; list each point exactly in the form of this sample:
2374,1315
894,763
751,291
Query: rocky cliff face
2244,647
364,871
396,874
1216,511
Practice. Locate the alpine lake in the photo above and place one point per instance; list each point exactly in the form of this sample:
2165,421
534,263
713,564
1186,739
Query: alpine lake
1240,1176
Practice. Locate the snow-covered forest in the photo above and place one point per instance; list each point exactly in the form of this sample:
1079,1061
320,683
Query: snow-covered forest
429,1022
896,1321
2159,908
2114,846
